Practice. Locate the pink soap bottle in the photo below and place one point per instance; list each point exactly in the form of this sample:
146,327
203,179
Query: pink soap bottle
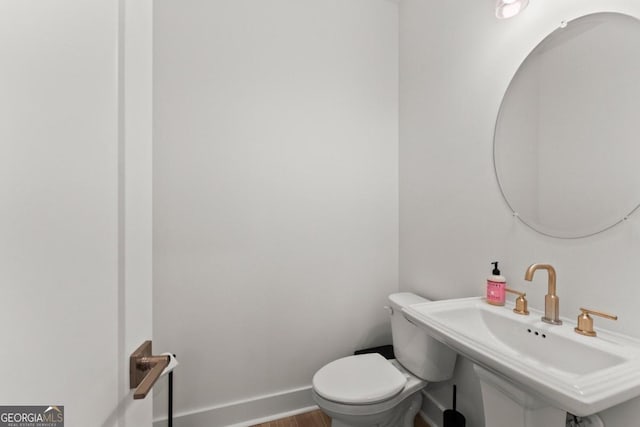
496,285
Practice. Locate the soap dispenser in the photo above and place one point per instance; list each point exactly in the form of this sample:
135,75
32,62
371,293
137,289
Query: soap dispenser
496,285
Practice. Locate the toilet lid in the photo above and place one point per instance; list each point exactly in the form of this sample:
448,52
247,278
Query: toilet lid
361,379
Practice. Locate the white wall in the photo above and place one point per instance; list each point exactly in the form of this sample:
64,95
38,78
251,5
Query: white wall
456,61
75,268
275,193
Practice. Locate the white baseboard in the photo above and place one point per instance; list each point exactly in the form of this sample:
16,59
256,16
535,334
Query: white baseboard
271,407
247,412
432,409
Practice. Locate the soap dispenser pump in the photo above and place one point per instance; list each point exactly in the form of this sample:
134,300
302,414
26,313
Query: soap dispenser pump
496,285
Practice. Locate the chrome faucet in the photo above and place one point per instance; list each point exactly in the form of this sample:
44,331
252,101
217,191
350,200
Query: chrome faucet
551,300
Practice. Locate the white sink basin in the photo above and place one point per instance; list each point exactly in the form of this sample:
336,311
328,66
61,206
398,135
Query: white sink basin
579,374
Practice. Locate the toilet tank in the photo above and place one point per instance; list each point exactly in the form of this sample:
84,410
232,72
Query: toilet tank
420,354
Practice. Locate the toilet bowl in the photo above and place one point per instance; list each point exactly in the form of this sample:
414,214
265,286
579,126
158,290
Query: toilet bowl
368,390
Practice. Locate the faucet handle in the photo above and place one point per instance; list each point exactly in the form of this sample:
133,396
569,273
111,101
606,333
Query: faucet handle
585,322
521,302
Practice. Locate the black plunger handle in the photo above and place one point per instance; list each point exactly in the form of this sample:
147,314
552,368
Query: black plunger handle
454,397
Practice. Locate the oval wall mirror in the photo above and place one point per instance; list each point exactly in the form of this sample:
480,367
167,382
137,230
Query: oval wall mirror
567,138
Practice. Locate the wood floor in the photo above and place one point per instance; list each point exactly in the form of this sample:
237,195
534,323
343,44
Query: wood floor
315,419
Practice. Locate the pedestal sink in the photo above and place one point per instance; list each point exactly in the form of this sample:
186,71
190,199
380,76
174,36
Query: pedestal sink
542,370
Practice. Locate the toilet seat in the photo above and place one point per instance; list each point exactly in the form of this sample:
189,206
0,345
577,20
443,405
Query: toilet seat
413,385
359,380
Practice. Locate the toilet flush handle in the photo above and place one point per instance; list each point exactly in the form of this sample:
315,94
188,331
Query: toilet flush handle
389,309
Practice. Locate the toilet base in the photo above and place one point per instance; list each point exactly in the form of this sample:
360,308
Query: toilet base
402,415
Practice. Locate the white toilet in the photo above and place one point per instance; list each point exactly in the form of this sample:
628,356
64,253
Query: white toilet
368,390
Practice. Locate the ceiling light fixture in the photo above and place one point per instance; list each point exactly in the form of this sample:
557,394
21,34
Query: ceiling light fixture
510,8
